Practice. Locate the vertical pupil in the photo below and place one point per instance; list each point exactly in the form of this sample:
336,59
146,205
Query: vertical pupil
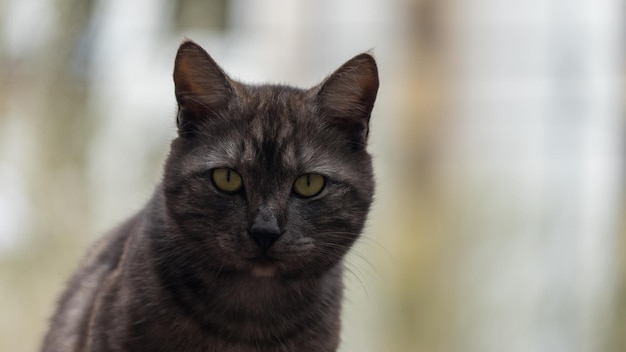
308,180
227,175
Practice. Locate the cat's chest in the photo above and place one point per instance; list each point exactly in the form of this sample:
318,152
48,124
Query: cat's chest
236,315
254,335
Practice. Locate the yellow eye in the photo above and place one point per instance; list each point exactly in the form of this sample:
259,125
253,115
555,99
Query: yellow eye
227,180
309,185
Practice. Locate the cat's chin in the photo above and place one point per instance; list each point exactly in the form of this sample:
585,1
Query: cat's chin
263,270
263,266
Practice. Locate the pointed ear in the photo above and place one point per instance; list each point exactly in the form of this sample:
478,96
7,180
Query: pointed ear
202,88
347,96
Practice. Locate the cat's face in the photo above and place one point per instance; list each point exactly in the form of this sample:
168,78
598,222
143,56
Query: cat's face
269,180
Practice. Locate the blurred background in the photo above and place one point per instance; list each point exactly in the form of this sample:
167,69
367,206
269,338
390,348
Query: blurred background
498,137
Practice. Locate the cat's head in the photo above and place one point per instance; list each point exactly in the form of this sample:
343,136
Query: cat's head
269,180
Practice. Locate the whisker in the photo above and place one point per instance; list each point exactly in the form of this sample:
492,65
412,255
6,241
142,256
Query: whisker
367,261
358,255
350,267
349,270
339,234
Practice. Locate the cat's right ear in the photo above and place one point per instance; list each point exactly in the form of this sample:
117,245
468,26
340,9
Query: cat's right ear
203,90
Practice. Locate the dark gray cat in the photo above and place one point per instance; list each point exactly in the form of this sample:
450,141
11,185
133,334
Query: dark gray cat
241,246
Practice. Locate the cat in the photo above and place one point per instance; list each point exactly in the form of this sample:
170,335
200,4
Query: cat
241,246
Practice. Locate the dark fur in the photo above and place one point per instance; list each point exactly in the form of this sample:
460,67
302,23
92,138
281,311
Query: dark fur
184,274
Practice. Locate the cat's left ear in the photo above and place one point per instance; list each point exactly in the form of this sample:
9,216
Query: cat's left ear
346,98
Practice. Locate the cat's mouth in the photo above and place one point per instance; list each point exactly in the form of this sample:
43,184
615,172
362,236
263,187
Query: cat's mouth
263,259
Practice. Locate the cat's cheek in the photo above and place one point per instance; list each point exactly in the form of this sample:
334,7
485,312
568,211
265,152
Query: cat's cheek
227,247
339,226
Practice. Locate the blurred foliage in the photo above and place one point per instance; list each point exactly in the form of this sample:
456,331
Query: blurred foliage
49,86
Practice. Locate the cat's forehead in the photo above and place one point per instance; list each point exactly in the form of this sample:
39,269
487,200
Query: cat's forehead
273,131
272,127
279,141
279,126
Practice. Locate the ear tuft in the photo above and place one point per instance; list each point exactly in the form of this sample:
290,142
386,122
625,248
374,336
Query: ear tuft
202,88
346,98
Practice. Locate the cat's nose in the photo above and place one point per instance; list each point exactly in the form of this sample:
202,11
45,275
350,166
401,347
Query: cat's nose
265,230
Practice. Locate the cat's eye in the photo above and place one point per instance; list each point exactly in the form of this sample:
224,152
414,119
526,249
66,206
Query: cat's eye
227,180
309,185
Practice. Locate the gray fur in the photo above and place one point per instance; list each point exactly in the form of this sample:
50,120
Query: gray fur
184,274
